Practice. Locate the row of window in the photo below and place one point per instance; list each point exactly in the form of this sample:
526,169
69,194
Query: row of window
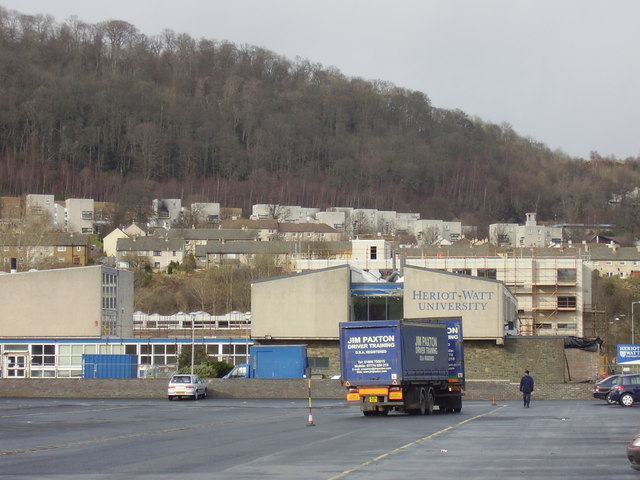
65,360
59,248
109,292
563,275
635,263
559,326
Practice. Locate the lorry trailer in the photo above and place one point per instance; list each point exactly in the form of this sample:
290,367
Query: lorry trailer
403,365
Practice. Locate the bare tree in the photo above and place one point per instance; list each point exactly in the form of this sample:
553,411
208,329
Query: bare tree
429,236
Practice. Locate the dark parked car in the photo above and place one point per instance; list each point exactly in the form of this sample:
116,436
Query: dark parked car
602,388
626,391
633,452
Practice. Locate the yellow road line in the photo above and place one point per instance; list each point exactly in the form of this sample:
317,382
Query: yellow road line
408,445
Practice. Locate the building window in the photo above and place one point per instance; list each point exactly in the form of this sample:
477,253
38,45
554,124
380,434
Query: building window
566,275
488,273
43,354
564,326
109,292
87,215
70,355
376,308
318,362
156,253
164,354
567,303
462,271
62,249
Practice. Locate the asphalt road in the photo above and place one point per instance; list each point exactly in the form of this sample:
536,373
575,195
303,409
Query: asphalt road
261,439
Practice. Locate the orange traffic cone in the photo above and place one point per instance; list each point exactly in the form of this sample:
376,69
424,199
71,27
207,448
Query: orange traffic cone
310,421
493,400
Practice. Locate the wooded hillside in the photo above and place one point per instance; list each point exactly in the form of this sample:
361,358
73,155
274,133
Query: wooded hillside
105,112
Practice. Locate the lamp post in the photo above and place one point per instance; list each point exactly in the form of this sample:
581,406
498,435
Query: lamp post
633,338
193,346
615,335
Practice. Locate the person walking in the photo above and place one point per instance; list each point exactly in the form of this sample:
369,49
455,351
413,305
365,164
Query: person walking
526,387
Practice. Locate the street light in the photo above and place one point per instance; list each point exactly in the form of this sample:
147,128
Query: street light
632,332
193,321
614,336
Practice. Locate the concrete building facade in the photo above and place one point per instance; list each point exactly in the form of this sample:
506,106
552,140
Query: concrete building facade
430,232
528,235
101,300
165,212
205,213
317,302
552,285
54,317
79,215
488,309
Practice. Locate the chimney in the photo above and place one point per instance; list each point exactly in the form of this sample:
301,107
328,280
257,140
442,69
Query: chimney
14,265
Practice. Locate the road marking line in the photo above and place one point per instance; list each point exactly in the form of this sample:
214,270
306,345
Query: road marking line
411,444
36,414
121,437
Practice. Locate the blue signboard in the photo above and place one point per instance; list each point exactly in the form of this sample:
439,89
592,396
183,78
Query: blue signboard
370,354
456,349
628,355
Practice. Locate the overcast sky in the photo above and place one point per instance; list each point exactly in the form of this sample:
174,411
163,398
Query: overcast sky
565,73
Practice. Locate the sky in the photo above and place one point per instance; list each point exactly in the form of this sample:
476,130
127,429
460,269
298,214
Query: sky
564,73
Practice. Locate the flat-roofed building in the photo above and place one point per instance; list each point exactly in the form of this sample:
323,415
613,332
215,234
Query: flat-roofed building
92,301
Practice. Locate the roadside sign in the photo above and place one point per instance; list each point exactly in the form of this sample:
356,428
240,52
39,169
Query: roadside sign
628,355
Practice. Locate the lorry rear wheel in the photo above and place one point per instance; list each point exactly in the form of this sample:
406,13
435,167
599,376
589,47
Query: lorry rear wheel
423,402
430,402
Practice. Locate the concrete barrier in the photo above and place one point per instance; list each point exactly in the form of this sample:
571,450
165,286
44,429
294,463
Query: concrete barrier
258,388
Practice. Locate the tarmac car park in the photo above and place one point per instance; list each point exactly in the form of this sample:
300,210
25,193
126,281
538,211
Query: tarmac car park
270,438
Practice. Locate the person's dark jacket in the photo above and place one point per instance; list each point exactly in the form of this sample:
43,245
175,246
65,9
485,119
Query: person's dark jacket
526,384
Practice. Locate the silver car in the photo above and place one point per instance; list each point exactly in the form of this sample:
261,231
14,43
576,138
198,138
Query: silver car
185,385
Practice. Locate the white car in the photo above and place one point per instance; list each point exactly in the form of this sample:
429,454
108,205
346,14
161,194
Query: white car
185,385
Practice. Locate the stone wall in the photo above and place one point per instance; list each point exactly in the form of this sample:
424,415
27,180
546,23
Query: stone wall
254,388
545,357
